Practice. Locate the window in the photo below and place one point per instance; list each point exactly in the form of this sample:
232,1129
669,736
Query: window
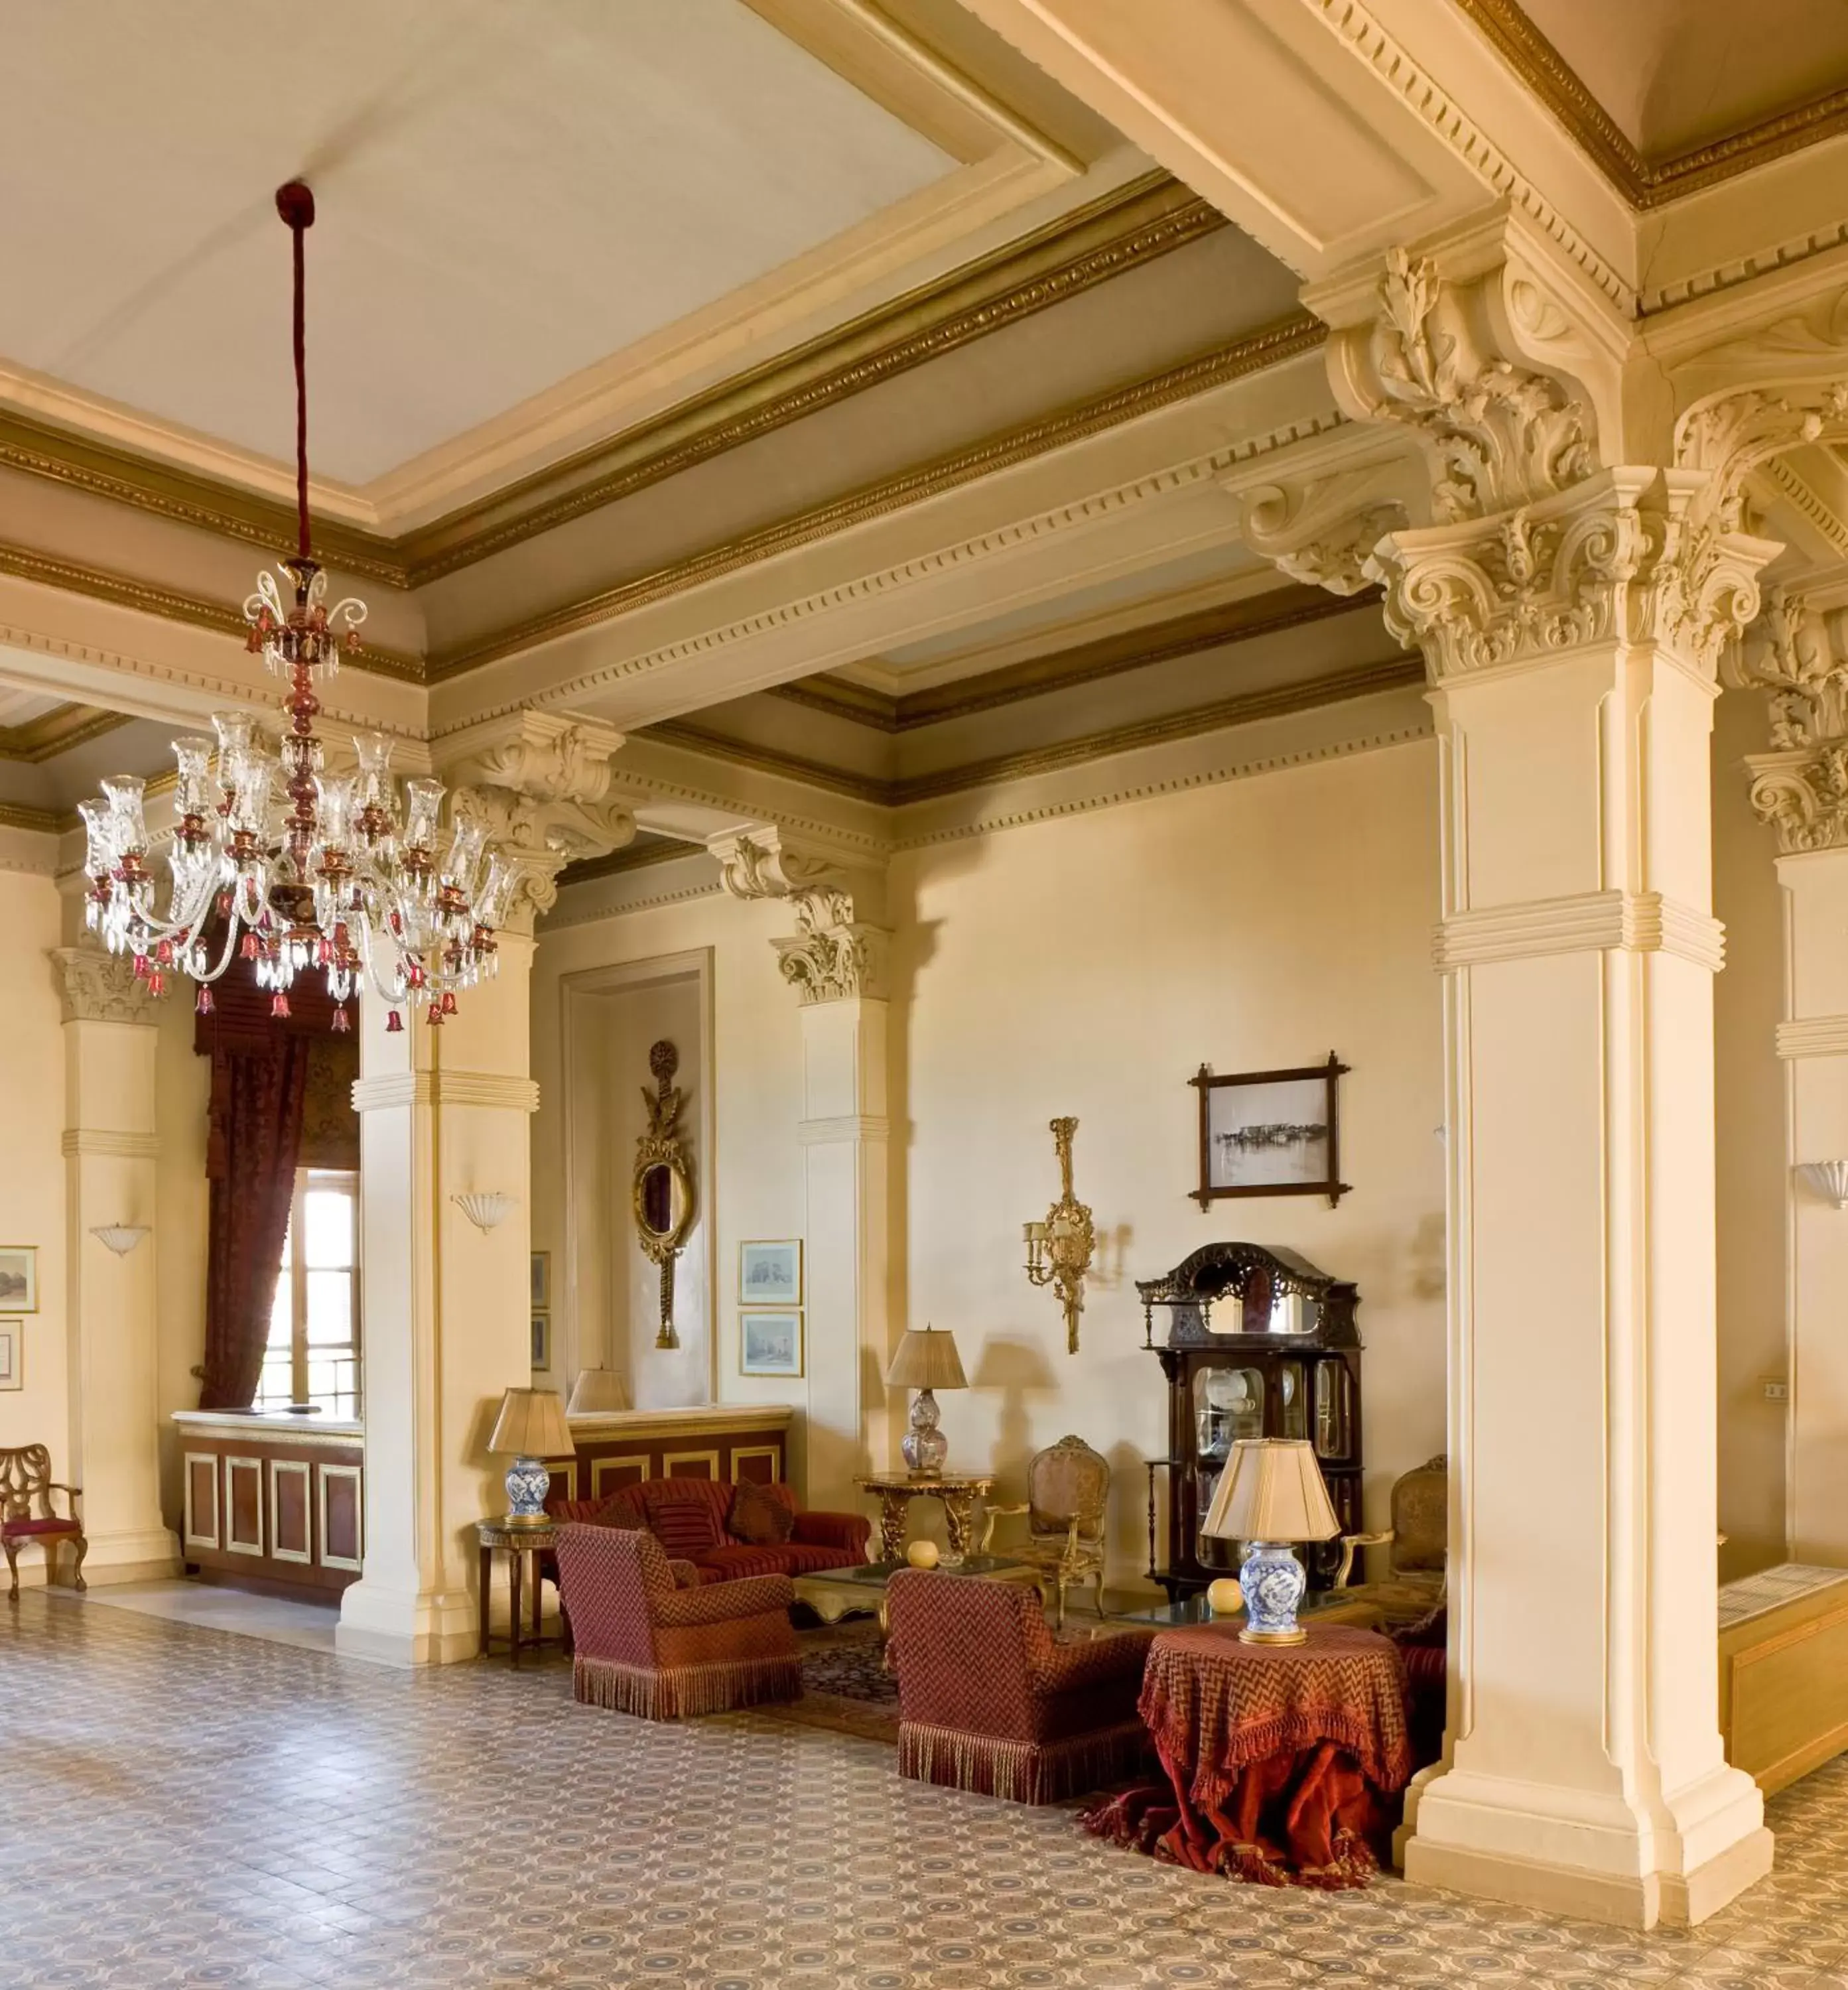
313,1355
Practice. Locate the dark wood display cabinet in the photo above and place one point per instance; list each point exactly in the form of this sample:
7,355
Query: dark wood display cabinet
1259,1343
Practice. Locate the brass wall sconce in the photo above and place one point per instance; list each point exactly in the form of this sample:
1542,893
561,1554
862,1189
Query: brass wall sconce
663,1199
1058,1250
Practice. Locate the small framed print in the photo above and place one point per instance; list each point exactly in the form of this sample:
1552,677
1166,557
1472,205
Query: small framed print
18,1277
770,1274
542,1340
769,1343
540,1301
12,1354
1270,1133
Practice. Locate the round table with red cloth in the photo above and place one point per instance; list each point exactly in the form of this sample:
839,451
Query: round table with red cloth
1284,1762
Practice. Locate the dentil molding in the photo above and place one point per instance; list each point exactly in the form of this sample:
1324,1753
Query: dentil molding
98,987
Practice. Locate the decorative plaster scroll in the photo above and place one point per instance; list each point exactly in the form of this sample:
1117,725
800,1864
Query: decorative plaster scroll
1629,555
1813,1036
98,987
1589,922
1323,531
539,789
1796,655
1803,795
833,956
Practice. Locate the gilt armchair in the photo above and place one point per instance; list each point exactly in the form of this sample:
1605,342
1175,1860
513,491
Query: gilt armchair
645,1644
1068,1489
1417,1543
25,1480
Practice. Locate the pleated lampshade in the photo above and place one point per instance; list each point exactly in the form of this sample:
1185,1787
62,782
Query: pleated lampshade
531,1424
1272,1489
595,1392
926,1360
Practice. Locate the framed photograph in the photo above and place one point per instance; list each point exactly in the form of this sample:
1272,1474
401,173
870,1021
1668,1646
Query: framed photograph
12,1354
770,1274
541,1282
18,1277
1270,1133
769,1343
542,1340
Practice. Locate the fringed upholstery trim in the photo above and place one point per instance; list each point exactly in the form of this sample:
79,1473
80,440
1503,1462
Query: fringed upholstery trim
669,1693
1032,1772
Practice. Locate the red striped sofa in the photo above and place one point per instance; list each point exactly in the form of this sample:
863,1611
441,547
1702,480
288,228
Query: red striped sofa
689,1516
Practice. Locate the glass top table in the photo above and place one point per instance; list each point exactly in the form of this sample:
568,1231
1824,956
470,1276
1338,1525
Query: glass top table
1330,1606
835,1593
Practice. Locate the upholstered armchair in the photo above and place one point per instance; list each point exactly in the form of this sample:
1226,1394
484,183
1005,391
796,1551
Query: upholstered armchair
1068,1488
644,1644
987,1702
1419,1540
25,1482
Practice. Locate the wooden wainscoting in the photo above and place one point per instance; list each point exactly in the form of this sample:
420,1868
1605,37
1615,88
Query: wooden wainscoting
1784,1671
272,1502
728,1442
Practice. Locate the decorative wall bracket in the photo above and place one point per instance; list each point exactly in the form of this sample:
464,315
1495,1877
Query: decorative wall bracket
1829,1179
1059,1250
837,953
662,1188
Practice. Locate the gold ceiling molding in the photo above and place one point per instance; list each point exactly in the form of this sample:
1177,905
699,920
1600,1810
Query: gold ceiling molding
631,856
13,815
56,731
1267,614
1125,229
1644,182
1397,673
125,591
40,449
1298,334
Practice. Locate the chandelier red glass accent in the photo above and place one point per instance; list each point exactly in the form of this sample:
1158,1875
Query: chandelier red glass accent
303,869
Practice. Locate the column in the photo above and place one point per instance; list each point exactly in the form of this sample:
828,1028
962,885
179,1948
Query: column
1800,787
110,1147
444,1112
836,962
1571,611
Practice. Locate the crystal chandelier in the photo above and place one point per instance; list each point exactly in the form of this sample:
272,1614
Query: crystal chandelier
303,869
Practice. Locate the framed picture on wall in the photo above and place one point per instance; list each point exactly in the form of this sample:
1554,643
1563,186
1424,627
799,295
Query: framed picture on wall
12,1354
542,1340
769,1343
19,1278
541,1282
770,1273
1270,1133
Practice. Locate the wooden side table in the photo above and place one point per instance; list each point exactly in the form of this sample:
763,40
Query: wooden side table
517,1543
956,1492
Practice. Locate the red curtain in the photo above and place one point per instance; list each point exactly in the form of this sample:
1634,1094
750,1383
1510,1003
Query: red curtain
257,1095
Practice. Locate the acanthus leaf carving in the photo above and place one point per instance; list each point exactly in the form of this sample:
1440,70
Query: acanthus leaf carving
1323,531
98,987
834,956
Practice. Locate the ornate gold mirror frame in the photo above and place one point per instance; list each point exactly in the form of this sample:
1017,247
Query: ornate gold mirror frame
662,1191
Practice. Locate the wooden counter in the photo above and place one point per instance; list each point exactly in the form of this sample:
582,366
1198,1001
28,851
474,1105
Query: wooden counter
273,1502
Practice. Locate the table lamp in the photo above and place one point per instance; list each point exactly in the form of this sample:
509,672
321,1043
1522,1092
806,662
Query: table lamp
531,1427
925,1361
1272,1493
597,1392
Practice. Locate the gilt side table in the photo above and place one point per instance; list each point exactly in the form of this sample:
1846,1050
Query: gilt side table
517,1543
956,1492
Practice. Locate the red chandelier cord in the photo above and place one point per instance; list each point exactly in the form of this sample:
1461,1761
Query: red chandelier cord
295,203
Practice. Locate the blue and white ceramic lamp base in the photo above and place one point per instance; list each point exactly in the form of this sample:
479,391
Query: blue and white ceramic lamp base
528,1483
1273,1581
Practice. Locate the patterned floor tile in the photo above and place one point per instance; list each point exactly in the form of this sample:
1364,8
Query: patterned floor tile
208,1809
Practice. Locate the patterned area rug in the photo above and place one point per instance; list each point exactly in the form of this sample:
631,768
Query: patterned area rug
845,1686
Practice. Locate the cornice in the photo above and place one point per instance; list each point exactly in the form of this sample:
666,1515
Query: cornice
1239,621
1297,334
44,822
614,862
221,617
1125,229
1645,183
56,731
565,915
1336,688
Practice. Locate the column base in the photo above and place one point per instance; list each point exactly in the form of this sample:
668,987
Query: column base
396,1627
1592,1859
147,1554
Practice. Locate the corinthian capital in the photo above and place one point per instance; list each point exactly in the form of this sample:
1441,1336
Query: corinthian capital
98,987
537,782
837,952
1798,655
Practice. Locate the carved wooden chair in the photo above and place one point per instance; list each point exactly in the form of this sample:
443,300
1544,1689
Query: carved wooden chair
1418,1542
25,1480
1068,1489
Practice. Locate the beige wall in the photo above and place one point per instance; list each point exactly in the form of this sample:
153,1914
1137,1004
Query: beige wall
31,1166
182,1092
1089,966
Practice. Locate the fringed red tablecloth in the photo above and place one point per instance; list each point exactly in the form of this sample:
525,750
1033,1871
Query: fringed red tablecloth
1283,1762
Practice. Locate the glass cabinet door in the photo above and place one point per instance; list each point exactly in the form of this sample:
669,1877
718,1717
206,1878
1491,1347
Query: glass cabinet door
1333,1410
1228,1403
1292,1400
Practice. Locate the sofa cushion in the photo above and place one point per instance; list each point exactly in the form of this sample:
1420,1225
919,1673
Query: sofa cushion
758,1518
727,1564
686,1528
